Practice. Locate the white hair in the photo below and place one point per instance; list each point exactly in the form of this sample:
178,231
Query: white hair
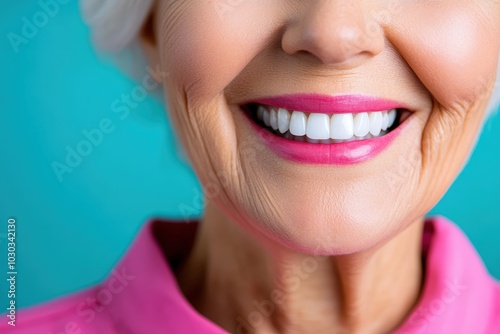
115,24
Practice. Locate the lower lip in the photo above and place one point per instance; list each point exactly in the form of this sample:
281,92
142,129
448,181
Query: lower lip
348,153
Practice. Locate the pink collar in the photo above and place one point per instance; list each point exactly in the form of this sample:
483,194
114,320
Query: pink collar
459,296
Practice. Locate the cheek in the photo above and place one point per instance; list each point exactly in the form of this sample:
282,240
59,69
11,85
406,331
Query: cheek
203,48
206,44
452,49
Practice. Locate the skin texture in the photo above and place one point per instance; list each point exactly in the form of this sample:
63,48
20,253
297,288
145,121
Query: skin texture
353,232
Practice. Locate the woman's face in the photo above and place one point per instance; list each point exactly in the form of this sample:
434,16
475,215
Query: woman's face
329,61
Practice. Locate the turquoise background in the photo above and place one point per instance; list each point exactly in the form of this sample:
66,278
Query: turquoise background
70,233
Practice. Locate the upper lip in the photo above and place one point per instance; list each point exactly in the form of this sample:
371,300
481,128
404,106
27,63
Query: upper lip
337,104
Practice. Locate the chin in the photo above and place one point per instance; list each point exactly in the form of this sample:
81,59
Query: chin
325,228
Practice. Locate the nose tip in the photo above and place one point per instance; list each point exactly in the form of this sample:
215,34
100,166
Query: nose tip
334,33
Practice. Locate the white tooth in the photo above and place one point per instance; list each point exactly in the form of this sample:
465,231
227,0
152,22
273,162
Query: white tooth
342,126
361,124
274,119
298,123
385,120
267,117
375,123
318,126
312,141
260,113
283,120
392,117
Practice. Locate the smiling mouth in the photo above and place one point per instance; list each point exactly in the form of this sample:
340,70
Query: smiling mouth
322,128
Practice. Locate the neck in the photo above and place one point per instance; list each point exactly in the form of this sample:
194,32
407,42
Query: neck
249,286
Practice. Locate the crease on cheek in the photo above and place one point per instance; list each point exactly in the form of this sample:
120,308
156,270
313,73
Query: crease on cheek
203,57
261,200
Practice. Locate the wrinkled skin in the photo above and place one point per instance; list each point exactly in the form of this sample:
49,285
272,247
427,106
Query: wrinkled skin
437,57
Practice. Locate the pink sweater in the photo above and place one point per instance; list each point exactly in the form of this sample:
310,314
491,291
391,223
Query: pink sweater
141,294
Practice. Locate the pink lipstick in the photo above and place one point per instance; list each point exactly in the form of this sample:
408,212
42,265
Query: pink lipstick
329,104
317,129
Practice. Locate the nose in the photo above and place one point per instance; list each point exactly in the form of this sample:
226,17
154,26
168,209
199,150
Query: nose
334,31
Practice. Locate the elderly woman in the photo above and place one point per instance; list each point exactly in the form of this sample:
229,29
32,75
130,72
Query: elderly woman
323,132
